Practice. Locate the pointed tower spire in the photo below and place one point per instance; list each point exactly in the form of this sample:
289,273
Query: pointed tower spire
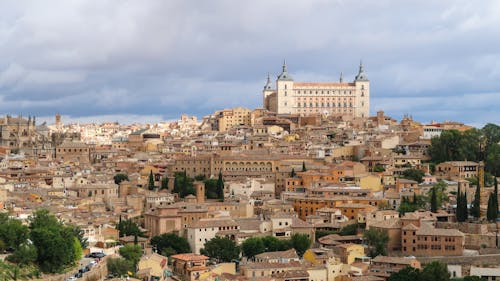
361,73
341,77
268,83
284,74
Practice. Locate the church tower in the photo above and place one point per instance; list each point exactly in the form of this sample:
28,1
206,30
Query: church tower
362,85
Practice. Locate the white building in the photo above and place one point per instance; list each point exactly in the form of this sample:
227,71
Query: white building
329,98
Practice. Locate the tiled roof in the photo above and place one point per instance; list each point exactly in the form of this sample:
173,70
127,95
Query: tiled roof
190,257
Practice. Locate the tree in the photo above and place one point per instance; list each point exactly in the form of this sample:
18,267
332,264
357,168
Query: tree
461,211
24,254
441,195
406,274
128,227
211,189
120,177
119,266
164,183
301,242
434,205
12,232
169,244
221,249
183,185
350,229
414,174
495,197
476,209
220,187
436,271
200,177
151,181
378,168
377,242
304,166
273,244
131,253
293,174
252,247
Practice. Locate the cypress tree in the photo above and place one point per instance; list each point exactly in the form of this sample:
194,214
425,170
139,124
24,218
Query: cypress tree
476,208
491,205
220,187
460,206
151,183
495,198
465,204
414,198
434,205
292,174
304,166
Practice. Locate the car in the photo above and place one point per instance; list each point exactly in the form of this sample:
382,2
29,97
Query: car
96,255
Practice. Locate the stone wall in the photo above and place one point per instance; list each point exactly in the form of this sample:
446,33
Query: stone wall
472,228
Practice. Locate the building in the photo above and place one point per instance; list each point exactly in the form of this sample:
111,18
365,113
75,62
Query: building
457,170
426,240
309,98
189,266
488,274
228,118
382,266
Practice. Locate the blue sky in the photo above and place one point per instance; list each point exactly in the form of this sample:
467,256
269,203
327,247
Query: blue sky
97,60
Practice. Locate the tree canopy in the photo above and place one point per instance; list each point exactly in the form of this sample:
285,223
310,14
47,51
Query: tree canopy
435,271
453,145
414,174
377,242
221,249
183,185
170,244
300,243
120,177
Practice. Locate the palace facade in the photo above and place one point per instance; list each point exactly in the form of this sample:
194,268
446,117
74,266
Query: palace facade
328,98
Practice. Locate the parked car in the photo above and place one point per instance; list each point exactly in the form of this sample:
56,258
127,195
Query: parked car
96,255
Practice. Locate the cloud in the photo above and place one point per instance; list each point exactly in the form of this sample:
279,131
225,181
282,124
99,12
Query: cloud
110,57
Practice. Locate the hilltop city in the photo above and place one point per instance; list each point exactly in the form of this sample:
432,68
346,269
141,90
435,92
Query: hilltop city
309,187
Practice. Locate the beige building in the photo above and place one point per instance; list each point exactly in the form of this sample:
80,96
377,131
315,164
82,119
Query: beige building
228,118
455,170
329,98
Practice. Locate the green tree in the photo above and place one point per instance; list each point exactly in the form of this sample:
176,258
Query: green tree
378,168
221,249
200,177
495,198
120,177
128,227
300,243
77,248
406,274
436,271
220,187
476,209
170,244
151,181
12,232
42,218
211,189
304,166
292,173
24,254
441,194
350,229
119,266
131,253
164,182
434,206
183,185
273,244
461,211
252,247
414,174
377,242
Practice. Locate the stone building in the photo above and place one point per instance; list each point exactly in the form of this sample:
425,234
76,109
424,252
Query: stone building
308,98
17,132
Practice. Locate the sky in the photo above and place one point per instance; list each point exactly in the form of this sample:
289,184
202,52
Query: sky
151,60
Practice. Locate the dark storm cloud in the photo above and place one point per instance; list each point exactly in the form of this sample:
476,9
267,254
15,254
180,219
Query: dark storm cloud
158,59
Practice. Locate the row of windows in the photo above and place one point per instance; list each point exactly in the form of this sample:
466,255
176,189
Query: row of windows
322,104
324,92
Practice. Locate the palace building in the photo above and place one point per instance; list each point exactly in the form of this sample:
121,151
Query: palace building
329,98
